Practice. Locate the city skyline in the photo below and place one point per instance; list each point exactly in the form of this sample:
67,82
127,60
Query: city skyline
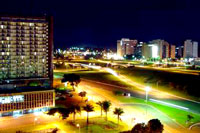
101,24
108,66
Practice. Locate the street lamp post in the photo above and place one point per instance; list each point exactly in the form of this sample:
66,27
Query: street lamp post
35,120
79,128
147,89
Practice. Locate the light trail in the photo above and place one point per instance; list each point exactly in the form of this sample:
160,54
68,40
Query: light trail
168,104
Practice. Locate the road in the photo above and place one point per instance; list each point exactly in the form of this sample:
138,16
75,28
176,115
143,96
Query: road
138,90
28,122
142,113
172,69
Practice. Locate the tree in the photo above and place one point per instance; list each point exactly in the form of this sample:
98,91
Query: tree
155,126
118,112
75,109
64,112
101,106
139,128
88,108
73,79
82,94
106,107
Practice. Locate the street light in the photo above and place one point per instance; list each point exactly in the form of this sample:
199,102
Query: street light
79,128
147,89
35,120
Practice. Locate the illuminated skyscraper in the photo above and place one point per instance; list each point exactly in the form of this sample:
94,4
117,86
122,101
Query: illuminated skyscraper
158,49
172,51
190,49
25,50
26,74
126,46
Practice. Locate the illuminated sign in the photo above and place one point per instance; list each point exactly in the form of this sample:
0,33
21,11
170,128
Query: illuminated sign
12,99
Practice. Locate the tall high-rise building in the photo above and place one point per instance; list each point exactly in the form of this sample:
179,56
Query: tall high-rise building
126,46
195,49
26,73
172,51
179,51
190,49
158,49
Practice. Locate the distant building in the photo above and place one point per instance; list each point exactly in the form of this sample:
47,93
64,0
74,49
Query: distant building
138,50
158,49
179,51
195,49
172,51
126,46
190,49
146,51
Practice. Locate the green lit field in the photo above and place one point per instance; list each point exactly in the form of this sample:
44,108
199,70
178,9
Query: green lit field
175,114
98,125
179,84
94,75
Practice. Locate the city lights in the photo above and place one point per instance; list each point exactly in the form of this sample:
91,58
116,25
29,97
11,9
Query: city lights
112,66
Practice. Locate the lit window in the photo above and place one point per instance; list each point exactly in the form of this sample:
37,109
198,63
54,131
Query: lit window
1,26
31,24
2,53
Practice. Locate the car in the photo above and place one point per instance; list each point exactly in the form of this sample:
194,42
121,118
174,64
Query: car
126,94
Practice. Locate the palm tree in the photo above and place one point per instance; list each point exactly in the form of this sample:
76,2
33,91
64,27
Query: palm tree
106,107
88,108
101,106
75,109
82,94
118,112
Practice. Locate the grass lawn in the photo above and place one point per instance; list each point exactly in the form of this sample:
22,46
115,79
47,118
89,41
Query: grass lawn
98,125
96,76
178,84
178,115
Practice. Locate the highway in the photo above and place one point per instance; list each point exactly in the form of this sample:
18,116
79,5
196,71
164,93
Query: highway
192,106
141,112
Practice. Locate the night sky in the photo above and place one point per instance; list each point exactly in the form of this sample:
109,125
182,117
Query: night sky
100,23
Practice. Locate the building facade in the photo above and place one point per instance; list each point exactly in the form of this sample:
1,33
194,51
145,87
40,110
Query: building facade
26,50
172,51
26,70
26,102
195,49
179,51
126,46
190,49
159,49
